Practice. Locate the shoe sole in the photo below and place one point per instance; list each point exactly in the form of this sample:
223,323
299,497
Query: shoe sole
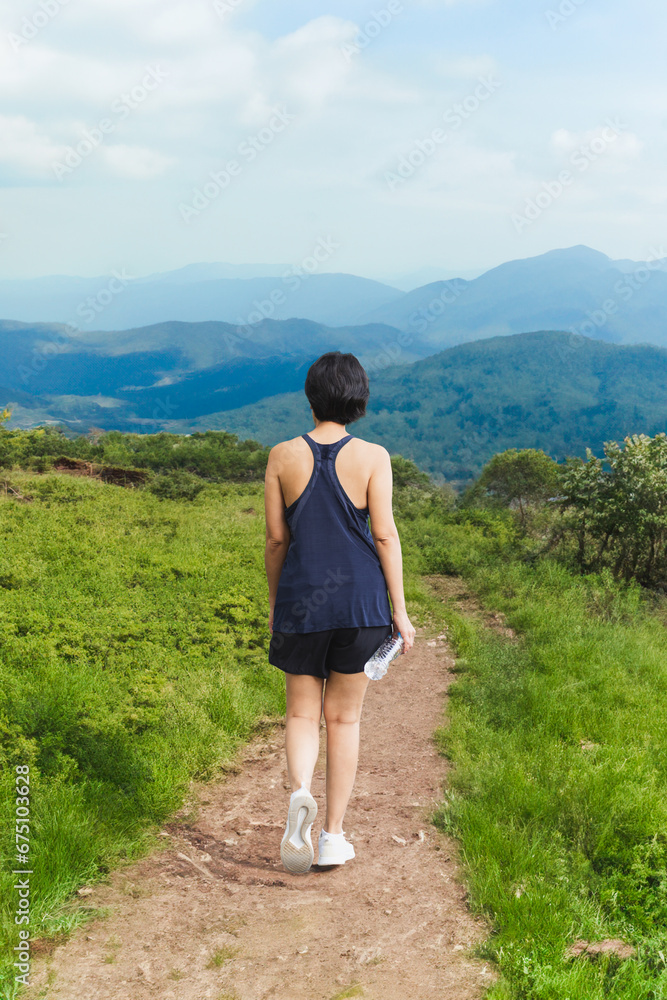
296,848
325,862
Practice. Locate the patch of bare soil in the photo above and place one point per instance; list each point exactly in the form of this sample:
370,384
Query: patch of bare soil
107,473
610,946
216,915
452,589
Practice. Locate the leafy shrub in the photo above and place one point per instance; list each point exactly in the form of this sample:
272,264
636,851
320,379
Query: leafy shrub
177,485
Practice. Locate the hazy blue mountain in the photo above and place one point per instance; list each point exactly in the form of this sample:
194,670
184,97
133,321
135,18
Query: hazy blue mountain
212,271
453,410
576,288
120,302
427,276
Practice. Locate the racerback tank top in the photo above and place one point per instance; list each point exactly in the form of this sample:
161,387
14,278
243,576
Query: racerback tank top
332,576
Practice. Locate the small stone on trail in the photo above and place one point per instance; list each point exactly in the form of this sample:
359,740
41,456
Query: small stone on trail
303,951
145,971
85,891
399,840
431,643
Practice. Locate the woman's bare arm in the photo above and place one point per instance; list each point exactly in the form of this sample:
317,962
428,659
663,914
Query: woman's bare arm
387,541
277,528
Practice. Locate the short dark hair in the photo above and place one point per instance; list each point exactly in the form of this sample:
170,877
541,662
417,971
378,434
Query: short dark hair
337,388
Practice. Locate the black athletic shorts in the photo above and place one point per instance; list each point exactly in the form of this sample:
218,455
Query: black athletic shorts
345,650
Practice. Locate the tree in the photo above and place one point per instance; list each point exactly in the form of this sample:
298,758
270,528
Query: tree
623,509
520,476
584,487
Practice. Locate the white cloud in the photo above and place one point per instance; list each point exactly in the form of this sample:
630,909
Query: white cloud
25,148
310,62
609,140
134,162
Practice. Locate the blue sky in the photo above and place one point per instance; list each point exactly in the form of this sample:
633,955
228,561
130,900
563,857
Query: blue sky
444,134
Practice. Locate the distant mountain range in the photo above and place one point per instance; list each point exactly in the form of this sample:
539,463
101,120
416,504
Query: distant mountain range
192,295
451,412
137,379
620,301
456,374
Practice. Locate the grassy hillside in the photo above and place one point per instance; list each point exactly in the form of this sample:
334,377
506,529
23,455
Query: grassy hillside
133,657
451,412
556,733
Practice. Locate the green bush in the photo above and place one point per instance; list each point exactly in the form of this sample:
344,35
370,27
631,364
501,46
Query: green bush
178,485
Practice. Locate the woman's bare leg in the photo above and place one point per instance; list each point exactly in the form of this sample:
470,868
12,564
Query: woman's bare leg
343,699
302,727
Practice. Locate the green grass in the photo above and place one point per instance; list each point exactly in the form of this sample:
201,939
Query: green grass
222,955
558,791
133,658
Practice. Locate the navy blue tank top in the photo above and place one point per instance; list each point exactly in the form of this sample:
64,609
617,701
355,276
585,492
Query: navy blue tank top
332,576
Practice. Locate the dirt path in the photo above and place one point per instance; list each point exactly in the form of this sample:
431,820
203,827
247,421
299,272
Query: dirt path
216,915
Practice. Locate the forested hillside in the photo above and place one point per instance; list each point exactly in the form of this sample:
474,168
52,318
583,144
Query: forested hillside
450,412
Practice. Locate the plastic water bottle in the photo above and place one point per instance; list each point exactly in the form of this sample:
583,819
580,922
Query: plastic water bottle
377,666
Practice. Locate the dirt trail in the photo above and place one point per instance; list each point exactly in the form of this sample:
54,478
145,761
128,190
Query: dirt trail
216,915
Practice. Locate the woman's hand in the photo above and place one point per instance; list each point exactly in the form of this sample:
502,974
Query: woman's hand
403,625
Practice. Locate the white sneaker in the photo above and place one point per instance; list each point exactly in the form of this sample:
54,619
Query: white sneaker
333,849
296,848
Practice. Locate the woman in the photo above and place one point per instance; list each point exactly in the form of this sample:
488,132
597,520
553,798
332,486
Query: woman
328,576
